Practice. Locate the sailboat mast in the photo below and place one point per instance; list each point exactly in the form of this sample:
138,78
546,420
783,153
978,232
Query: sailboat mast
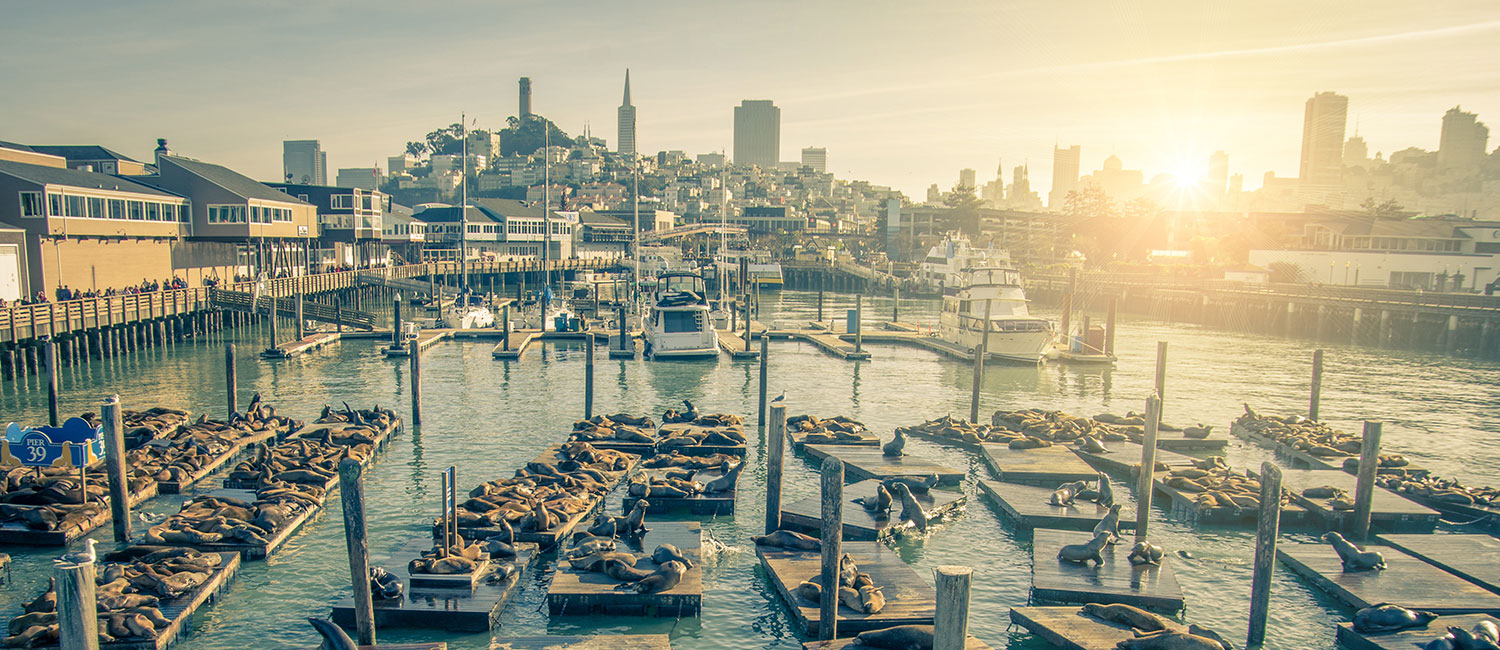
463,208
636,226
546,212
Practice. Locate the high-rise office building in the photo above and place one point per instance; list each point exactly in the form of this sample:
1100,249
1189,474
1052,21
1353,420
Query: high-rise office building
816,158
366,178
525,109
967,177
1356,151
304,161
1064,174
1020,182
1463,140
1323,140
1218,172
757,133
626,137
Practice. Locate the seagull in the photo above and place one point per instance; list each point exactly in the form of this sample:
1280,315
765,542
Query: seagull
85,556
779,398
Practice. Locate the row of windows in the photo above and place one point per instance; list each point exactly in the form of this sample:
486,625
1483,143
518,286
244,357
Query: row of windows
257,214
1404,244
98,207
530,228
405,229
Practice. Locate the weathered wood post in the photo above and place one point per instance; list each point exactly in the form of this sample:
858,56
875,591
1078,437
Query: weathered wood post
822,280
396,341
231,380
352,493
416,383
950,630
765,354
114,465
747,322
1364,487
588,376
275,335
980,352
1109,327
505,326
77,619
833,546
1161,376
776,446
338,315
1148,467
1317,385
1267,528
859,323
895,304
49,346
301,323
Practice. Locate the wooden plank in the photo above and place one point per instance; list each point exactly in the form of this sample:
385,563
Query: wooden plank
1068,628
806,515
1347,637
273,543
909,599
1045,466
178,610
175,487
596,642
1177,441
15,532
307,344
1406,581
460,609
718,503
1390,511
520,340
1116,581
1029,506
863,463
969,644
1184,505
1124,457
798,438
582,593
1475,558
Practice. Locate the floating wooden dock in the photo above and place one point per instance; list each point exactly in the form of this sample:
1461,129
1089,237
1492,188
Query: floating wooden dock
457,608
970,643
922,341
302,346
1389,511
806,515
1044,466
1178,441
1406,581
717,503
595,642
397,646
909,600
1347,637
1116,581
582,593
546,538
274,542
178,610
425,339
175,487
798,438
1029,506
1184,505
1295,458
1124,457
832,344
1475,558
1069,629
863,463
15,532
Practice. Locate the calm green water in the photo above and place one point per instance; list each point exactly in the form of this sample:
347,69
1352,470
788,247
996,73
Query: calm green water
489,417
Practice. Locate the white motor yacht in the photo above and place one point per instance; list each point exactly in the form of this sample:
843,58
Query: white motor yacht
1014,334
679,323
946,262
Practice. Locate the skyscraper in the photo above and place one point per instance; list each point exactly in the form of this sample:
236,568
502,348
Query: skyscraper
816,158
626,139
1064,174
1463,140
304,161
967,177
1323,140
1218,172
525,109
757,133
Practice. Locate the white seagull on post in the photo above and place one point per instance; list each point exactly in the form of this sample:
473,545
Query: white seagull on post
86,556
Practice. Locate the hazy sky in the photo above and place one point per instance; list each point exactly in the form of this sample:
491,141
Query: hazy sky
901,93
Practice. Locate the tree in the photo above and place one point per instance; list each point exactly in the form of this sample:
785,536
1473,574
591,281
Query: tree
416,149
965,207
1386,208
523,136
446,140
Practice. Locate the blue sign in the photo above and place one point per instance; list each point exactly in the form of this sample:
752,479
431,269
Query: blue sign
74,444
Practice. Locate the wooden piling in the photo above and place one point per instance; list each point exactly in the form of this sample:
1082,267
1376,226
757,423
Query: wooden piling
396,341
1268,527
822,280
765,354
747,322
775,451
1161,376
77,619
271,289
833,547
49,346
896,304
859,323
1148,464
950,630
1364,488
416,383
1317,385
1109,327
588,377
352,492
980,352
114,464
231,380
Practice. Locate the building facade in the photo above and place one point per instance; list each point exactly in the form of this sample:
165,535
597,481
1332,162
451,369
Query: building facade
304,161
815,158
626,123
757,133
1065,168
1323,122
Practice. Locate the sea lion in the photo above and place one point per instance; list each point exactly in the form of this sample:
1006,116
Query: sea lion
918,485
1322,492
894,447
1480,637
1170,641
1195,630
910,509
1145,553
502,572
620,570
1199,432
848,570
900,637
1106,492
1084,553
47,602
849,597
1110,524
384,585
334,637
726,482
871,599
667,552
880,503
789,539
1066,492
1092,445
635,522
1135,617
663,579
809,591
1389,618
1354,558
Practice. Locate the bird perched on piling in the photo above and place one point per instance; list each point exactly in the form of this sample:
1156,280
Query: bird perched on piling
779,398
86,556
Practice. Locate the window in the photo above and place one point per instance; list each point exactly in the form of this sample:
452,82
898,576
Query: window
255,214
31,204
285,214
96,207
184,213
153,212
55,205
76,206
342,201
137,211
680,321
117,208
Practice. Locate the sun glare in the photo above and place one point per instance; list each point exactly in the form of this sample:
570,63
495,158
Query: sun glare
1188,175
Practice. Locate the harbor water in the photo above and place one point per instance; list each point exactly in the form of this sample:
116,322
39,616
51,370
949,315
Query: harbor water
489,417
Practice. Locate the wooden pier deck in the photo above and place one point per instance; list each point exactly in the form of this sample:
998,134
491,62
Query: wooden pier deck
177,611
458,608
806,515
1069,629
15,532
1347,638
582,593
921,341
1029,507
1184,505
520,341
734,343
425,339
546,539
834,345
1044,466
1406,581
1124,457
302,346
867,438
863,463
1390,511
595,642
1475,558
1116,581
249,551
909,600
1295,458
175,487
970,643
718,503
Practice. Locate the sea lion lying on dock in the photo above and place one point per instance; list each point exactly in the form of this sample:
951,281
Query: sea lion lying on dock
665,577
900,637
1389,618
789,539
1144,553
1353,557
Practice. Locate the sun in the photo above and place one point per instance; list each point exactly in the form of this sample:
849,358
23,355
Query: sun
1188,175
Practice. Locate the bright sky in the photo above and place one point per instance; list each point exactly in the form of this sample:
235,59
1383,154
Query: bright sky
901,93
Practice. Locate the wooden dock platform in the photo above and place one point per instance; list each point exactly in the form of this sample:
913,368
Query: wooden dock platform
1028,506
546,539
1116,581
175,487
806,515
425,339
1475,558
734,344
1390,511
867,438
921,341
1069,629
718,503
969,644
1184,505
15,532
831,344
459,608
1124,457
863,463
595,642
1177,441
1406,581
1295,458
1347,638
909,600
302,346
178,610
582,593
273,543
520,341
1045,466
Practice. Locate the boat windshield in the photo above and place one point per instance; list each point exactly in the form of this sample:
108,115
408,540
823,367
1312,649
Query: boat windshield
995,277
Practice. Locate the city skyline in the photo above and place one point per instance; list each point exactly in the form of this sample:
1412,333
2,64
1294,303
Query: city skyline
1161,89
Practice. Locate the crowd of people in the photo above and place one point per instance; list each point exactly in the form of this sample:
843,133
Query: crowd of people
64,293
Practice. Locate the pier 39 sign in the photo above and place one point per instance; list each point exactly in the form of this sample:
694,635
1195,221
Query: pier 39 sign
74,444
